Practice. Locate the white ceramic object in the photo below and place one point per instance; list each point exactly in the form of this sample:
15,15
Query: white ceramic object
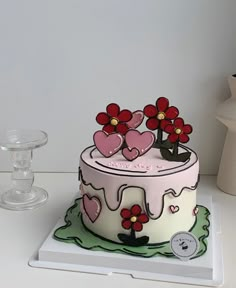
226,113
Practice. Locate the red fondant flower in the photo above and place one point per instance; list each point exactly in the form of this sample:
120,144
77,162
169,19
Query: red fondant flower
114,120
178,131
161,114
133,218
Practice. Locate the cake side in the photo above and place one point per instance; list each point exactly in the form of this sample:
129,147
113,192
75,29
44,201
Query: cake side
166,196
74,231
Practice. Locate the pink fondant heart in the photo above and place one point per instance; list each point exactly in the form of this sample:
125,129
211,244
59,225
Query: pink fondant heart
142,141
195,211
92,207
130,154
136,120
174,209
106,144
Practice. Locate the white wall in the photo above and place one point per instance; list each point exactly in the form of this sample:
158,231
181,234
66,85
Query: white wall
62,62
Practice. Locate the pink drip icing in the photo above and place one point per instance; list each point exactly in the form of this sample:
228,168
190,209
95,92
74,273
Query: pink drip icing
171,178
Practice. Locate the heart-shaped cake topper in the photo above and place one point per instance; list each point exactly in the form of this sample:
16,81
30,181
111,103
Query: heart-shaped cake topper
92,207
174,209
130,154
136,120
141,141
108,144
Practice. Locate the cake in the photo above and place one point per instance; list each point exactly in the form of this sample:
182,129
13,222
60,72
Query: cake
137,189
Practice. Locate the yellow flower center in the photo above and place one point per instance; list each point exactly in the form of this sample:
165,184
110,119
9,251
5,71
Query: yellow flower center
178,131
114,121
133,219
161,116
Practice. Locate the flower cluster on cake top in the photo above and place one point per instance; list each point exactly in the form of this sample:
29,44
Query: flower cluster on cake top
119,131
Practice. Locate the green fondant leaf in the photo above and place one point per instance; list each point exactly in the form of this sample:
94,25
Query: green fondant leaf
75,232
128,240
166,154
183,157
124,237
165,144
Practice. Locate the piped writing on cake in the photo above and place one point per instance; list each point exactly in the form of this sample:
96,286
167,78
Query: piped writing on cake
134,166
151,163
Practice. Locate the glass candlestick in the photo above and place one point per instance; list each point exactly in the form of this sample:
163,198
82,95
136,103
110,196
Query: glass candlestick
22,195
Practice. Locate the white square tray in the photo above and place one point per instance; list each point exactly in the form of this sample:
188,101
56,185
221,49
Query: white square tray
206,270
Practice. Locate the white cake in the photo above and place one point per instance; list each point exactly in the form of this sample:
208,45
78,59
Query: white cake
165,191
137,188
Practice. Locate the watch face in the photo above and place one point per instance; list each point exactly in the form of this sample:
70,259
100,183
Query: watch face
184,245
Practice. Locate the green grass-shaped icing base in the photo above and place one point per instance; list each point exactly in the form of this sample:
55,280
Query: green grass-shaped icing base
75,232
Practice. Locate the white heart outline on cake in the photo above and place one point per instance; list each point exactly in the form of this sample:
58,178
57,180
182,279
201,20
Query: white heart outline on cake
92,207
174,208
129,153
107,144
136,120
141,141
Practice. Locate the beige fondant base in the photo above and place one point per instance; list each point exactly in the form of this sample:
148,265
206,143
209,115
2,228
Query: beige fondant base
108,223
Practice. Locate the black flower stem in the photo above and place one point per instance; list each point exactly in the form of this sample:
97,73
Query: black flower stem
124,145
132,234
159,136
175,148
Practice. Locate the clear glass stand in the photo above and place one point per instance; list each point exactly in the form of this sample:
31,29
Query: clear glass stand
22,195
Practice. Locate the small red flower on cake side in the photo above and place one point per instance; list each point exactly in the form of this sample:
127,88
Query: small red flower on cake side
114,119
133,219
159,116
178,132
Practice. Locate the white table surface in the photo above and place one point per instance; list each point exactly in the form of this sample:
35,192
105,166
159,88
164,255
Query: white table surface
23,232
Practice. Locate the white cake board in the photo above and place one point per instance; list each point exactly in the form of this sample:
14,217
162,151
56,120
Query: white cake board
206,270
